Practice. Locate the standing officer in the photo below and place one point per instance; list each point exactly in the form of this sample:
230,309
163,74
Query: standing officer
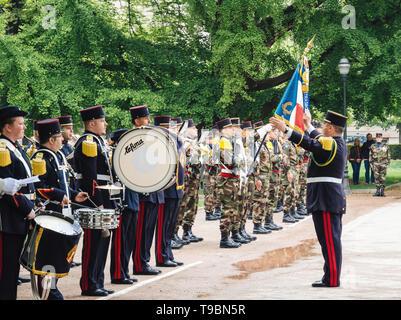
325,192
227,183
148,209
50,164
93,167
15,210
379,159
123,239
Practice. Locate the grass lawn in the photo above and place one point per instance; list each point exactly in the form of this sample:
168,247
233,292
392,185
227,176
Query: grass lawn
393,175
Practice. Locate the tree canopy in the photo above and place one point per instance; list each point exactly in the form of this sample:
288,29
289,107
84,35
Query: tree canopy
203,60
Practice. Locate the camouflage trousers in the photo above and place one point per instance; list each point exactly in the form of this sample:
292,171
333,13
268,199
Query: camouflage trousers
228,190
289,190
273,194
301,195
247,201
380,172
210,190
189,204
260,200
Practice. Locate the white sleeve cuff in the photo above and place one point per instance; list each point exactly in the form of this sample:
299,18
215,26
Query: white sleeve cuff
289,133
310,129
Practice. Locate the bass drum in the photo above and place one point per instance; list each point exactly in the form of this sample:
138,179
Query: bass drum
146,159
50,246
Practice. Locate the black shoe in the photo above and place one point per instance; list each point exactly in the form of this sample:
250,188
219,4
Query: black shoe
167,263
175,245
23,280
321,284
179,263
178,240
94,293
288,218
148,271
245,235
382,192
108,291
238,238
295,215
258,229
211,217
227,242
75,264
122,281
377,194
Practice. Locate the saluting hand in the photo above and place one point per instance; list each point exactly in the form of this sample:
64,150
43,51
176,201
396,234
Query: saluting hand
277,123
307,119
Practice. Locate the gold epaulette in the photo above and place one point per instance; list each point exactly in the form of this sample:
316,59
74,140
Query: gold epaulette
38,165
5,158
225,144
326,142
269,145
89,147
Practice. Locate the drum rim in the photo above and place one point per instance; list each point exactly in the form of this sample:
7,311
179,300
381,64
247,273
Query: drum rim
173,169
56,214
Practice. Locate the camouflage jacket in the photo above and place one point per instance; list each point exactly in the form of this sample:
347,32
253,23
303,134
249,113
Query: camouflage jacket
380,155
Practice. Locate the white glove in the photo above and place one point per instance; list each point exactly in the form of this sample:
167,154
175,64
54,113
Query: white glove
10,186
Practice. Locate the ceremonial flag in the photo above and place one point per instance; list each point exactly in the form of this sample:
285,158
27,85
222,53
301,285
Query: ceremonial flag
296,96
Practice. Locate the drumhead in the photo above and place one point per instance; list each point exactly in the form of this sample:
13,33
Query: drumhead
57,223
145,159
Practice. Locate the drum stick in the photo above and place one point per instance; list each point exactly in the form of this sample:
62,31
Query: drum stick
91,201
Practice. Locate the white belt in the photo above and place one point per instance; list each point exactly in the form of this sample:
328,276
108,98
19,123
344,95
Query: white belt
29,196
101,177
324,179
226,171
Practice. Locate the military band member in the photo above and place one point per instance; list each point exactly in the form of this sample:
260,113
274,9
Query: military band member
15,210
49,163
148,209
123,238
325,193
93,168
379,159
227,183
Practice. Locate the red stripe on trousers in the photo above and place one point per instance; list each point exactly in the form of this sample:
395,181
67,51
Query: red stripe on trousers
1,254
159,233
87,238
138,266
333,255
117,251
329,245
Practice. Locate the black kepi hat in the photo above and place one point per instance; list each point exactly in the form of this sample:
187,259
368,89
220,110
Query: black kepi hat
92,113
235,121
11,112
336,119
48,128
161,120
139,112
115,135
258,124
246,124
65,120
191,123
224,123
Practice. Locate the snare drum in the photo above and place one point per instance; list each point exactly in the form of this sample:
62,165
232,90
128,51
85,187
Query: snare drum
50,246
97,219
146,159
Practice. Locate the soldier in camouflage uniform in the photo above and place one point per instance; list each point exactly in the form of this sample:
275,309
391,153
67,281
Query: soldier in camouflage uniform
288,177
210,181
189,204
262,178
227,183
379,159
301,198
274,185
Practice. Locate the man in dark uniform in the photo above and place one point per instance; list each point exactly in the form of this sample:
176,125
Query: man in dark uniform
15,210
53,184
148,210
123,239
172,196
93,168
325,193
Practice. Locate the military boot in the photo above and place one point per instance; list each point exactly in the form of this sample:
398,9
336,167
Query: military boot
258,229
279,206
236,236
382,191
176,245
250,215
227,242
210,216
270,225
288,218
377,194
218,212
245,235
295,214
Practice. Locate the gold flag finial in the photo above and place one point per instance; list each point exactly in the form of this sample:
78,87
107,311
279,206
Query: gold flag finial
309,46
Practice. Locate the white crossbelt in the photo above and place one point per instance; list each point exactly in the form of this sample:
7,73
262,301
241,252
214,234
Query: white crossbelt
101,177
29,196
324,179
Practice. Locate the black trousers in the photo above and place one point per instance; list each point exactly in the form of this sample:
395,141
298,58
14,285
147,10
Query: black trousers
328,228
146,222
10,250
122,244
94,255
166,221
